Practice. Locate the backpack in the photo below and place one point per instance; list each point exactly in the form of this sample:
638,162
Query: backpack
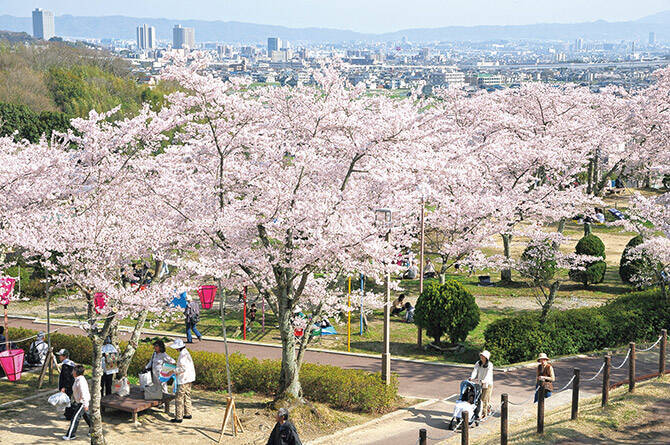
33,356
193,313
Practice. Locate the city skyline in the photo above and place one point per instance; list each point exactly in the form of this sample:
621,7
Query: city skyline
373,16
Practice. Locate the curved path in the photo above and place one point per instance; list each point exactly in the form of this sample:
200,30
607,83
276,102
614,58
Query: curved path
422,379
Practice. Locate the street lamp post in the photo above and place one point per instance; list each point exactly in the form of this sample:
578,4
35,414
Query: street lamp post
383,217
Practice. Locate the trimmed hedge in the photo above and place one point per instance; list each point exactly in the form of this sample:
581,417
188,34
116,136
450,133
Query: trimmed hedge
594,272
628,267
637,316
346,389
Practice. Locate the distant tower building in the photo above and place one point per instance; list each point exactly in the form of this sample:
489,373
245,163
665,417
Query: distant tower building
274,44
652,38
183,37
146,37
579,44
43,24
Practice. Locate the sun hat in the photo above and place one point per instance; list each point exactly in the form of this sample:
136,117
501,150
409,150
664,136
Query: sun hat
63,352
486,354
542,356
189,298
177,344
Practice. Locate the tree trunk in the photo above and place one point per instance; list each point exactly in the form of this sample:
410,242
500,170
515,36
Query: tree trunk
97,435
289,382
127,356
506,274
587,229
589,180
553,288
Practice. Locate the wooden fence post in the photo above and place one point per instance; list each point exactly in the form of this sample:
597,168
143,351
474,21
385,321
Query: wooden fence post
606,380
504,414
540,410
465,429
575,395
661,355
631,368
422,436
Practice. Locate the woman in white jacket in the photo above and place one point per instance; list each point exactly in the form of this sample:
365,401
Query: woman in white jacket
483,374
156,363
185,374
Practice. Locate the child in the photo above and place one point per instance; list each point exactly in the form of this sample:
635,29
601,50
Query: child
251,316
409,313
80,399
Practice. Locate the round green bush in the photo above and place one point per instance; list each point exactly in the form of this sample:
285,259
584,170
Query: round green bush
446,309
630,267
593,272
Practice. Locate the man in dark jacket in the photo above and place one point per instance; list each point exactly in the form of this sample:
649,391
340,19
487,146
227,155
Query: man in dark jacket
66,379
284,433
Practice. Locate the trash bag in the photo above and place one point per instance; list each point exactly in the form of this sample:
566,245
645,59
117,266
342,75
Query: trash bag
121,387
60,400
145,379
153,392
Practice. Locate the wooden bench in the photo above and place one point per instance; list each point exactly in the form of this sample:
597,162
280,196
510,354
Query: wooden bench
134,402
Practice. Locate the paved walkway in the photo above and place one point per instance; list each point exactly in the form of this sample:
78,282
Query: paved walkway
422,380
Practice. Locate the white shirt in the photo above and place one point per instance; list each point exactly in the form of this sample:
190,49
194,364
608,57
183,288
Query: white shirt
185,368
483,374
80,392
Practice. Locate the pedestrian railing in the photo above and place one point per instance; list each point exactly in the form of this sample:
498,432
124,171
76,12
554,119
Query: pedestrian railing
605,369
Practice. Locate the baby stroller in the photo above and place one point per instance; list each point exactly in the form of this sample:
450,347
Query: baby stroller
470,401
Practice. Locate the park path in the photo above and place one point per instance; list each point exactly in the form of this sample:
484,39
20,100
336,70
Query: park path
424,380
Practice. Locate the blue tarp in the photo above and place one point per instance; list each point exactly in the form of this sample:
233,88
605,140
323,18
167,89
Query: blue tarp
179,301
617,214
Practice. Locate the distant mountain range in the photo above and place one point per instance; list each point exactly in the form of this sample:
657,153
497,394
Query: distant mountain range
121,27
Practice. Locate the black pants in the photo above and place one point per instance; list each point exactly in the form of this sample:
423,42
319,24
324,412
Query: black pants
106,385
79,412
396,310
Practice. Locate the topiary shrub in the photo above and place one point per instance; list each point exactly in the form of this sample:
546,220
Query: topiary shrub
631,267
446,309
593,272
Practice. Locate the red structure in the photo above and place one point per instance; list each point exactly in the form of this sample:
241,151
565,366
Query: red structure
207,295
100,300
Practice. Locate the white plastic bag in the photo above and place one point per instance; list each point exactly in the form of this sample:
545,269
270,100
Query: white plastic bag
121,387
145,379
60,400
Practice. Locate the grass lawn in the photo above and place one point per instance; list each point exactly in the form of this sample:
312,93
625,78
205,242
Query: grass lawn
25,387
639,418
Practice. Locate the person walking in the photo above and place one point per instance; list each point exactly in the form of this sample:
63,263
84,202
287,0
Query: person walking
110,366
66,379
156,364
483,375
185,376
80,400
284,432
192,314
544,376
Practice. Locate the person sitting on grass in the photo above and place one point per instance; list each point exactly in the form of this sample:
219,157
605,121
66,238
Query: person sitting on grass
411,273
398,305
284,433
409,313
544,376
429,271
80,399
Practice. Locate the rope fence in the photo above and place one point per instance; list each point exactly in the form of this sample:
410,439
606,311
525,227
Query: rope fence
605,369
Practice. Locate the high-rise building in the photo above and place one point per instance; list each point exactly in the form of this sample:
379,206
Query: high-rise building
652,38
43,24
183,37
579,44
146,37
274,44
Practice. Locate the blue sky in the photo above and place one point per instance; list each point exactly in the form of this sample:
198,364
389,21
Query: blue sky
358,15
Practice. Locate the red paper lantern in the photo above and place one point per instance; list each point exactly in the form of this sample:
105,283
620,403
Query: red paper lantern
12,363
100,300
207,295
6,289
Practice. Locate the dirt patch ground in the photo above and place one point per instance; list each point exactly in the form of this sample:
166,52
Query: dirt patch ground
35,422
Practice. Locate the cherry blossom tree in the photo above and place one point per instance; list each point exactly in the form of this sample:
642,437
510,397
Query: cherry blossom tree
86,215
280,186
